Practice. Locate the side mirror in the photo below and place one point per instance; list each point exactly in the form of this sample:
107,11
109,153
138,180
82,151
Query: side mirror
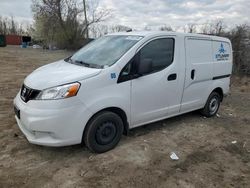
145,66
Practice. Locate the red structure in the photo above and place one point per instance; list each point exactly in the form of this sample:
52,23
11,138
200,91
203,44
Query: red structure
13,40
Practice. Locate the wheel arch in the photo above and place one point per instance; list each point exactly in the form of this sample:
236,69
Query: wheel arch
120,112
219,90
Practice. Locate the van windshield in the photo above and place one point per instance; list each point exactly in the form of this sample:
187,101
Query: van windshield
104,51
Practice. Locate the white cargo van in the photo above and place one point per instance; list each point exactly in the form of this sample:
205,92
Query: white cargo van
121,81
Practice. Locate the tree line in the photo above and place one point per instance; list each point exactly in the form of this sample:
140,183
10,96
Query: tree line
67,24
8,26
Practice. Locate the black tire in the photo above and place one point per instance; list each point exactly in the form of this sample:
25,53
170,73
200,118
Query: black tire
103,132
212,105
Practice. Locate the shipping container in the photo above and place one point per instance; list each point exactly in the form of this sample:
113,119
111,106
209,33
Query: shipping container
2,41
13,40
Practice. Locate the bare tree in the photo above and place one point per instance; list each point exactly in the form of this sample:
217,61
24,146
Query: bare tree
10,26
94,14
97,30
85,18
240,38
3,25
58,21
205,28
166,28
219,27
213,28
119,28
190,28
13,26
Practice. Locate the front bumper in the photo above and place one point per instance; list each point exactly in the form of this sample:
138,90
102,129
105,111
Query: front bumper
52,122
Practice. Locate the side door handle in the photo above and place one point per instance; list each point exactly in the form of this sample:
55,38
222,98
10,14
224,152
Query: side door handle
192,74
172,77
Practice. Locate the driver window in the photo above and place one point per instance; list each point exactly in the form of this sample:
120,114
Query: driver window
160,51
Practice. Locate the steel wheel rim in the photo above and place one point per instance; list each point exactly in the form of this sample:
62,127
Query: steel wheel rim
213,105
106,133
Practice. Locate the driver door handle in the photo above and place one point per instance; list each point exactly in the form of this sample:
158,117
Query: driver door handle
172,77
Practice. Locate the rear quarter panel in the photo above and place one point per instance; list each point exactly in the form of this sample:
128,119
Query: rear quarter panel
222,57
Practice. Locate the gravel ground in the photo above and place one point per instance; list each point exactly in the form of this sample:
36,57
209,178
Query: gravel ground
207,156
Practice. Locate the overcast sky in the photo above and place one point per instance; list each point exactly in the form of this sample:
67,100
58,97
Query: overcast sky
153,13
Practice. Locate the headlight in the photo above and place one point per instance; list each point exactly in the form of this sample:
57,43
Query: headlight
59,92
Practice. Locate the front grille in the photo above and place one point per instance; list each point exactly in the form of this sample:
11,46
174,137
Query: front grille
28,93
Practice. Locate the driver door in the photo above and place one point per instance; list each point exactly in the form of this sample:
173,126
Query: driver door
158,93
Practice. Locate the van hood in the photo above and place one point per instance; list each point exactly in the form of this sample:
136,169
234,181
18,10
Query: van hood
58,73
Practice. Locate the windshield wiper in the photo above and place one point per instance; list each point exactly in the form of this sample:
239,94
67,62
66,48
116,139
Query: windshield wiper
90,65
83,63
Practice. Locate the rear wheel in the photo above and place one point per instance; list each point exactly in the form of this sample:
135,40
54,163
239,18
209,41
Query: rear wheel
103,132
212,105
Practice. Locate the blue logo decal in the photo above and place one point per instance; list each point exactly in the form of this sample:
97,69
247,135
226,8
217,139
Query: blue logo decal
221,56
113,75
222,50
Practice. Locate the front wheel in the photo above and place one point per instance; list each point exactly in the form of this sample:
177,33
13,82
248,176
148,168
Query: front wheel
103,132
212,105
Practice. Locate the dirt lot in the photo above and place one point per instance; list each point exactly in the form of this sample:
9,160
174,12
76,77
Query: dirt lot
207,156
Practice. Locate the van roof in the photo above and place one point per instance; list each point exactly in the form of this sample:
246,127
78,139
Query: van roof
160,33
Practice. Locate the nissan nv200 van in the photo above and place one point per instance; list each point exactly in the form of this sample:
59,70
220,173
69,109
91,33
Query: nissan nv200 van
121,81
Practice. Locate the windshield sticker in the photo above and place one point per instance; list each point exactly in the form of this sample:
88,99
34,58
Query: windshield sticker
133,38
113,75
222,54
